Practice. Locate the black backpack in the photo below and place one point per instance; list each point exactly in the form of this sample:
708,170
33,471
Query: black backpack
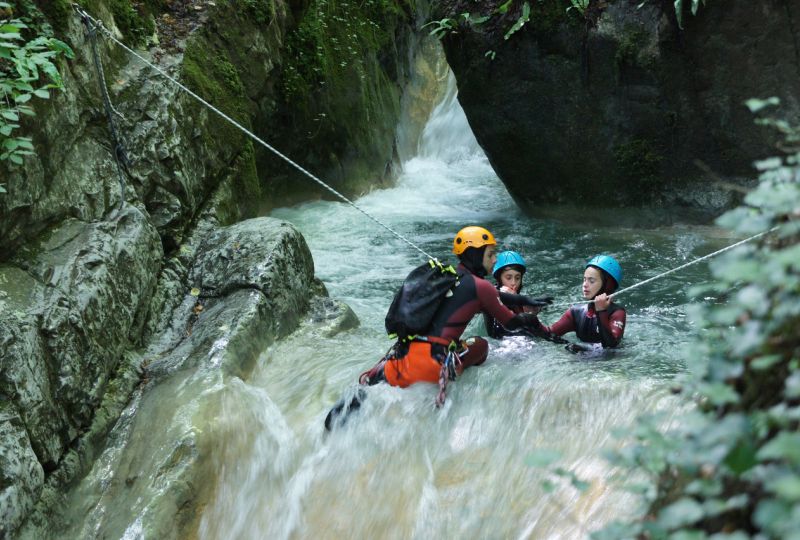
418,299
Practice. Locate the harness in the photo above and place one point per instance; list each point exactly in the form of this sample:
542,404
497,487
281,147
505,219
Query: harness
449,360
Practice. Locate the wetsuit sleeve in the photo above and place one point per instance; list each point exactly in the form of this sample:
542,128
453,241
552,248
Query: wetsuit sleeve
612,327
563,325
510,299
513,300
489,300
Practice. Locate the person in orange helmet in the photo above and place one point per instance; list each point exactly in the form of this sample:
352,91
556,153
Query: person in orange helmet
423,357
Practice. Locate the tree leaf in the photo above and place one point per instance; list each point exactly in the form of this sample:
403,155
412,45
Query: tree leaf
742,458
782,446
61,47
42,93
765,362
719,393
682,512
756,105
786,487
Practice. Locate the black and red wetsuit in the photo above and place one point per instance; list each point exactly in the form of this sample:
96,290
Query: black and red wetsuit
497,330
472,295
421,362
605,327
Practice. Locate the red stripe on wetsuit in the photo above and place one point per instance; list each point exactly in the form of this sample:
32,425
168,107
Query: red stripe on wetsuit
472,295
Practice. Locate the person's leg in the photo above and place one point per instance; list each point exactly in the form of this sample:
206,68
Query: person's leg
373,376
475,355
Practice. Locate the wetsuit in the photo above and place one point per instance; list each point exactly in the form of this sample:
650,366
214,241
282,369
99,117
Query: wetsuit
516,303
497,330
605,327
421,361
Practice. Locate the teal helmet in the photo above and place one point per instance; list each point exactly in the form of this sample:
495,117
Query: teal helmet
608,264
508,258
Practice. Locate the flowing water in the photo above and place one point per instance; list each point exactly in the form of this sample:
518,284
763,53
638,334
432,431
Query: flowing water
401,468
255,456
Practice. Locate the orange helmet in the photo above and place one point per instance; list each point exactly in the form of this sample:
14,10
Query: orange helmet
472,237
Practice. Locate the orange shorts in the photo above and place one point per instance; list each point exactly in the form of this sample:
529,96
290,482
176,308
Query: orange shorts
416,366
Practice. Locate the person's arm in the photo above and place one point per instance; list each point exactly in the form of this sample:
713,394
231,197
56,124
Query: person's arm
563,325
612,327
490,303
511,299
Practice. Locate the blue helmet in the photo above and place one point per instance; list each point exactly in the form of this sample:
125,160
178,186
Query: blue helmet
609,264
508,258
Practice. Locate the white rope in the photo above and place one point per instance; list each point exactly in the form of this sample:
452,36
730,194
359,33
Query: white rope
646,281
107,32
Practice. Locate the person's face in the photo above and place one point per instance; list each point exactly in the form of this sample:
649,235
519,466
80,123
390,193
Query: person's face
511,278
489,258
592,282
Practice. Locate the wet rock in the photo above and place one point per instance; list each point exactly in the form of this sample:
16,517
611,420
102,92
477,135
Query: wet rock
21,475
72,303
332,316
617,106
253,281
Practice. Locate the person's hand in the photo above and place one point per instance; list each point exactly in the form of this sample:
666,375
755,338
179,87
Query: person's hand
532,309
542,300
507,290
529,320
601,302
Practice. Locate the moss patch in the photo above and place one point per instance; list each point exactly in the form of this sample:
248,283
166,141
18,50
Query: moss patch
630,44
639,163
134,18
210,73
263,11
332,43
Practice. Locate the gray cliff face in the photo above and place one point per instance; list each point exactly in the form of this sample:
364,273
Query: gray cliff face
618,106
98,300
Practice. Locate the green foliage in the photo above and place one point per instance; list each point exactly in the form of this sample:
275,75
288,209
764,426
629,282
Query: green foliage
579,5
442,27
679,6
263,11
24,61
731,467
333,43
215,79
543,15
639,162
57,12
524,17
134,18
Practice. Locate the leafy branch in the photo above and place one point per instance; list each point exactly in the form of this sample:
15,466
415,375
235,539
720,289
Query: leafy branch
22,65
579,5
730,467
